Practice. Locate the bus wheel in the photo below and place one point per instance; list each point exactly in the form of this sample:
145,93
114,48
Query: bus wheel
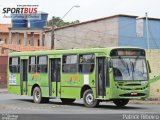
37,95
89,100
67,100
121,102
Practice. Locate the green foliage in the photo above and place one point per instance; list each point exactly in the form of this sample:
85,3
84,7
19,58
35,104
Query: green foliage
60,23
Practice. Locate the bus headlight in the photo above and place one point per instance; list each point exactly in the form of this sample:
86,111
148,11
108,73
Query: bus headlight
144,83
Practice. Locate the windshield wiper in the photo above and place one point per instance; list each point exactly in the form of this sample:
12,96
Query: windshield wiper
124,64
133,65
136,60
133,70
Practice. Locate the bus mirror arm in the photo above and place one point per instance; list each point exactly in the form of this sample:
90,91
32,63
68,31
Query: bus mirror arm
110,65
93,82
149,68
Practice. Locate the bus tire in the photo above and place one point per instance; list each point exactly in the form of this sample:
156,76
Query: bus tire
67,100
121,102
89,100
37,95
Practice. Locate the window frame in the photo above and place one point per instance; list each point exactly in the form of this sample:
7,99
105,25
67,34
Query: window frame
94,63
37,58
31,65
19,63
70,64
139,28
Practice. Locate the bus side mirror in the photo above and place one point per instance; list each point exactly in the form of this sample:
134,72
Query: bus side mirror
149,68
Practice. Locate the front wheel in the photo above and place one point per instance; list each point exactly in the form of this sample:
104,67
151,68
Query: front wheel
88,99
37,95
121,102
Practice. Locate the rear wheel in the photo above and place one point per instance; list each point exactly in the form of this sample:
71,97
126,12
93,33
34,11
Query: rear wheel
37,95
121,102
88,99
67,100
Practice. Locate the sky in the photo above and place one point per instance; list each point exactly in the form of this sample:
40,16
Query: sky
89,9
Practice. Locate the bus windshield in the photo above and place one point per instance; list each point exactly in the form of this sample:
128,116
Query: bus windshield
129,68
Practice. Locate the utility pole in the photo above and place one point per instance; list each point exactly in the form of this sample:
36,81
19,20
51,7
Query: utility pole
52,34
53,26
147,32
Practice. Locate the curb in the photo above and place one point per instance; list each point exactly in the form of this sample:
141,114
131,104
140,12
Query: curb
145,102
3,91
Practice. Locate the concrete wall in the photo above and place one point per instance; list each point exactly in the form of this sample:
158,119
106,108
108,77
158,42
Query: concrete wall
154,34
118,31
154,59
103,33
48,39
128,34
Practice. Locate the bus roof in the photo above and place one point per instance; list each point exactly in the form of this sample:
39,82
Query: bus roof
70,51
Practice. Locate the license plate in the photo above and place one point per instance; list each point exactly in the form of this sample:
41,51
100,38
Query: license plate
134,93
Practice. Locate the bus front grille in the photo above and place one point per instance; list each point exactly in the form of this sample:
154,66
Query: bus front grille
132,95
131,88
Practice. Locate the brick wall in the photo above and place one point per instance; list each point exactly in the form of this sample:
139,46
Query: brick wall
3,71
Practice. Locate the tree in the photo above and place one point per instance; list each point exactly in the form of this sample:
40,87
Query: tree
60,23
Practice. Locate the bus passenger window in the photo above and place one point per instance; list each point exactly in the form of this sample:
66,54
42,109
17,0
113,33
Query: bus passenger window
86,63
42,63
32,64
69,64
14,65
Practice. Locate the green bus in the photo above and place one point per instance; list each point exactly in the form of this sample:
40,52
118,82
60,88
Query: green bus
116,74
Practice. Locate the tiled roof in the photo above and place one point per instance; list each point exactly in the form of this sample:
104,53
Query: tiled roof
4,28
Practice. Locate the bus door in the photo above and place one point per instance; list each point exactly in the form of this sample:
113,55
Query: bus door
55,76
100,76
23,76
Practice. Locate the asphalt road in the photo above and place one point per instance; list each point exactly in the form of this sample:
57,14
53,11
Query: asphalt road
13,104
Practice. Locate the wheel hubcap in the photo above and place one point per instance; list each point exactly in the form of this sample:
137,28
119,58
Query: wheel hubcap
37,95
89,98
